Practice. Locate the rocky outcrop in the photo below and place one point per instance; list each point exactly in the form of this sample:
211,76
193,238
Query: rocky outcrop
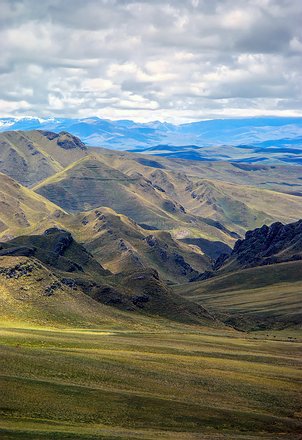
64,139
267,245
56,248
69,142
270,244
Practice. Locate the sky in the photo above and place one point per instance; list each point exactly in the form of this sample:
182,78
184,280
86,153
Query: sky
175,61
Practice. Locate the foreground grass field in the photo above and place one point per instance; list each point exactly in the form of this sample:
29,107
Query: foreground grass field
172,383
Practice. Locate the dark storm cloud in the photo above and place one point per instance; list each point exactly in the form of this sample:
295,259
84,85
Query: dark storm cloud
150,59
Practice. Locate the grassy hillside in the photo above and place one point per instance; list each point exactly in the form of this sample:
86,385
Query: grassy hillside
237,207
238,196
281,178
95,343
166,382
260,297
242,207
31,156
70,263
116,241
31,293
220,199
121,245
22,210
91,183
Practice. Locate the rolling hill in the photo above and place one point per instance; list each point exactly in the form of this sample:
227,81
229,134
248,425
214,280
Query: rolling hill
91,183
259,284
259,298
237,197
22,210
111,237
72,266
207,205
31,156
120,244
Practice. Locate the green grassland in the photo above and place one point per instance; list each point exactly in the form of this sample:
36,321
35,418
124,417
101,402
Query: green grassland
30,156
154,381
269,295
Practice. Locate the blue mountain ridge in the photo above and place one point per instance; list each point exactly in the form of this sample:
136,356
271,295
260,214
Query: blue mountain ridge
265,139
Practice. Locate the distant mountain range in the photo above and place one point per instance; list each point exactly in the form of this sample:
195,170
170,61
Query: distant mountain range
250,140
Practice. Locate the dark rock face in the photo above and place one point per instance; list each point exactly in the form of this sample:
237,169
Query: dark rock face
267,245
159,188
49,290
64,139
69,282
203,276
220,260
139,300
48,134
61,240
169,206
176,260
55,248
68,141
270,244
21,251
151,240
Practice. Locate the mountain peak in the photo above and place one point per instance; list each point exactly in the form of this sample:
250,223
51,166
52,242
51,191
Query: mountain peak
266,245
64,139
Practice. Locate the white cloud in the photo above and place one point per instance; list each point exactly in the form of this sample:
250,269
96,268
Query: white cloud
149,59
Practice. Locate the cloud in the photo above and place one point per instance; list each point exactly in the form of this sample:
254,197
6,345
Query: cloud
148,59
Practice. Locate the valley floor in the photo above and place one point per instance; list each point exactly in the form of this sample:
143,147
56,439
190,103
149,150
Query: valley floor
172,383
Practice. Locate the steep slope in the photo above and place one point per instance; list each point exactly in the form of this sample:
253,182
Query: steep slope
57,249
241,207
91,183
252,299
111,237
263,246
76,268
32,293
177,196
122,245
21,209
259,284
234,195
31,156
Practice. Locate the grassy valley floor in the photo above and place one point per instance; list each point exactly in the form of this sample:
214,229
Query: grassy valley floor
173,382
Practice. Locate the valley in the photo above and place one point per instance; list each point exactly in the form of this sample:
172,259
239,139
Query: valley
147,298
148,380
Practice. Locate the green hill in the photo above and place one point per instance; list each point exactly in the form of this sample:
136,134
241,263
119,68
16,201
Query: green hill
120,245
22,210
31,156
257,298
90,183
259,284
74,267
